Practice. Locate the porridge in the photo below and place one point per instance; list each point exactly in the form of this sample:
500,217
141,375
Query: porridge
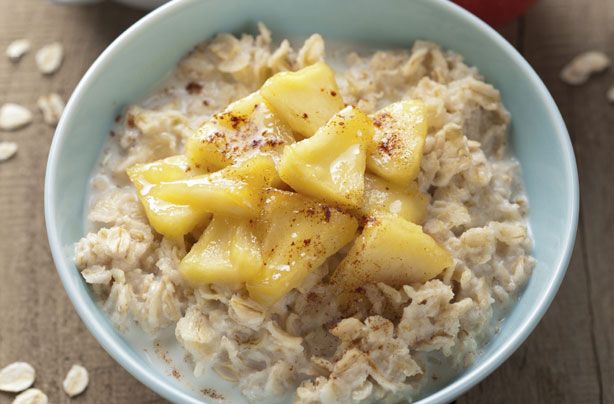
344,235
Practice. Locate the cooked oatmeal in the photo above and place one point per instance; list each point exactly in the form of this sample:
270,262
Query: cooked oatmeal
379,346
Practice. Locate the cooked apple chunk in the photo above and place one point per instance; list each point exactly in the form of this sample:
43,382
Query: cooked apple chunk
298,235
227,252
383,197
395,151
305,99
393,251
245,128
236,190
331,164
167,218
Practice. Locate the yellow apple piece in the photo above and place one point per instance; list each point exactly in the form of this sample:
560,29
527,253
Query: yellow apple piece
383,197
227,252
330,165
245,128
298,234
167,218
395,151
235,190
393,251
305,99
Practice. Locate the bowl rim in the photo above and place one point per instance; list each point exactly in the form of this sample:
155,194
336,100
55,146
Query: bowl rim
110,342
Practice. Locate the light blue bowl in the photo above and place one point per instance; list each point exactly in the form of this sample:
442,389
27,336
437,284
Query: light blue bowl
131,67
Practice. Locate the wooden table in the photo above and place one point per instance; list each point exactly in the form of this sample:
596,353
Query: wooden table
568,359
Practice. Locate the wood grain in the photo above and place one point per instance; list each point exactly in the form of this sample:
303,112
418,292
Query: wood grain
568,359
590,125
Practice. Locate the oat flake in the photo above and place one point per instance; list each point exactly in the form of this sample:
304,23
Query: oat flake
31,396
17,49
7,150
49,58
17,377
76,381
583,66
52,107
14,116
610,94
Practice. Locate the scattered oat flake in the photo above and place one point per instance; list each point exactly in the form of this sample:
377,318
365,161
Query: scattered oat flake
14,116
610,94
7,150
17,49
17,377
31,396
583,66
49,58
52,107
76,381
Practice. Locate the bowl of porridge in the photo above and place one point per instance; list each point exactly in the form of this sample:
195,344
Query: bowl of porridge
311,201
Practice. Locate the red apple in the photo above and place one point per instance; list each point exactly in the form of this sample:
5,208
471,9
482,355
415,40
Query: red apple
496,12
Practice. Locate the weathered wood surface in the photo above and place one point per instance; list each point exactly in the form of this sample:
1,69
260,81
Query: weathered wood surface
568,359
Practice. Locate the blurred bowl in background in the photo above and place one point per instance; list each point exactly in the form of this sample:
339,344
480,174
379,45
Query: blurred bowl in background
496,12
142,4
